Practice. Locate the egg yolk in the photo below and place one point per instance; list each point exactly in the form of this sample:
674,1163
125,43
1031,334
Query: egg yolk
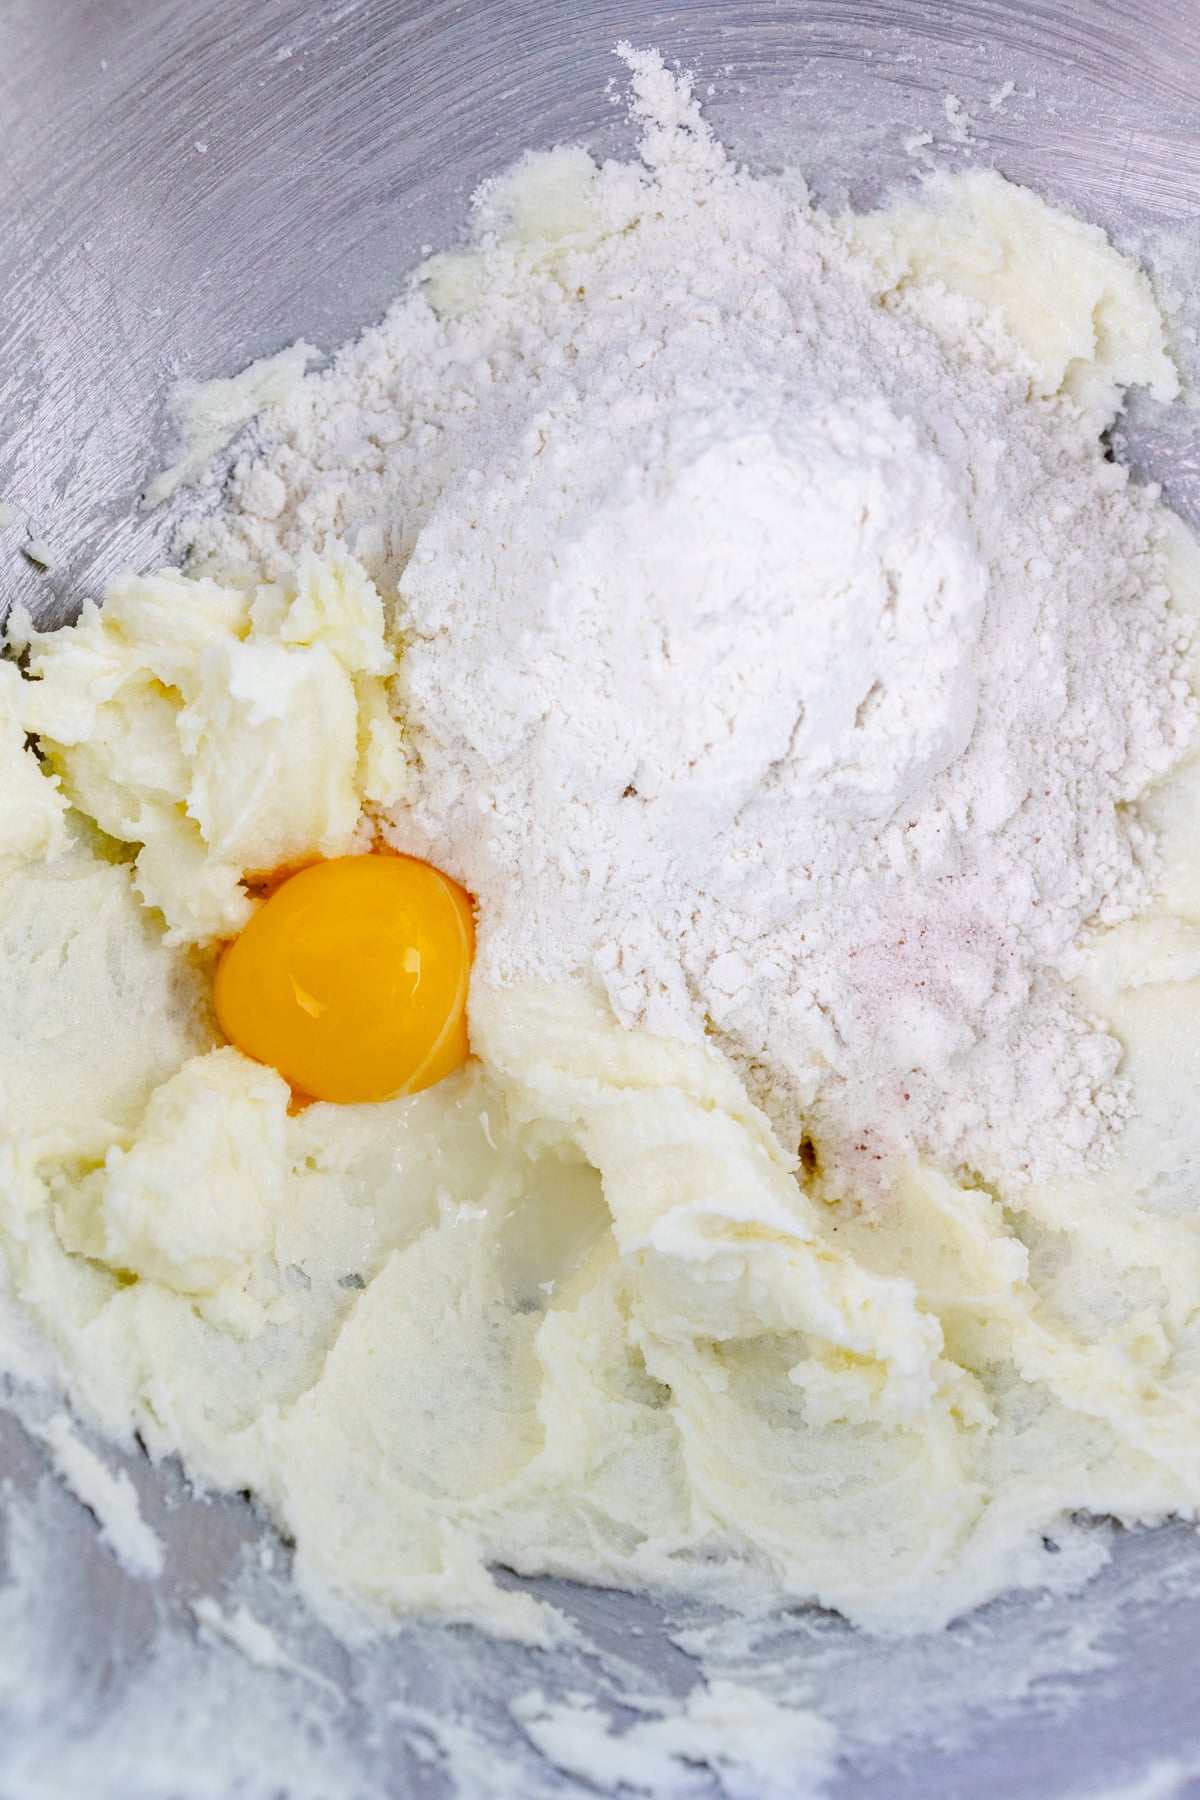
351,979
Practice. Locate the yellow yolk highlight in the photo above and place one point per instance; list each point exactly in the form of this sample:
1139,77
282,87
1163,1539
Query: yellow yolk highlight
351,979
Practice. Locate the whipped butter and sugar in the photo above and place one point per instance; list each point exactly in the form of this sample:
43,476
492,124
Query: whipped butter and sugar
225,730
740,603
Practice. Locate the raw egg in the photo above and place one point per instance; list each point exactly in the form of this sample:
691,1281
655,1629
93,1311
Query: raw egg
351,979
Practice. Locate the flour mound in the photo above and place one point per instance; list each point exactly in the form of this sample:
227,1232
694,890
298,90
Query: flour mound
776,653
763,588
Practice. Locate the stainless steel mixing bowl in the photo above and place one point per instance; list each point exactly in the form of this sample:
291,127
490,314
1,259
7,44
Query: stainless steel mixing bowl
186,185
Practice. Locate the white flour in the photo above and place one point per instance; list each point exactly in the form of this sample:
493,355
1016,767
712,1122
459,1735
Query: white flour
773,654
